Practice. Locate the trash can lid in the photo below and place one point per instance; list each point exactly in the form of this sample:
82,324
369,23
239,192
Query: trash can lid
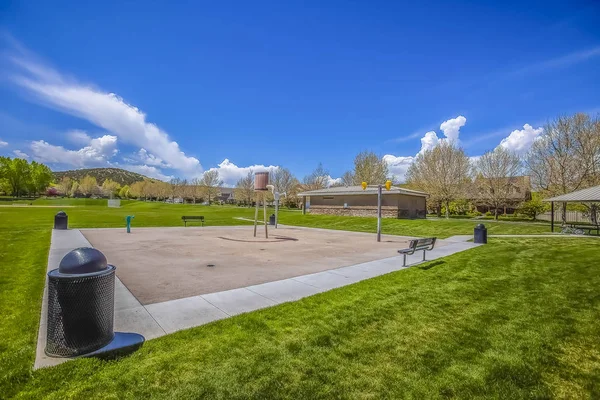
480,226
83,260
61,214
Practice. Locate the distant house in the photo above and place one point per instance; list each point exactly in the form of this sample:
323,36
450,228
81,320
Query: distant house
354,201
519,191
226,195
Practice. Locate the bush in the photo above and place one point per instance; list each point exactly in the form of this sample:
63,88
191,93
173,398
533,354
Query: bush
533,207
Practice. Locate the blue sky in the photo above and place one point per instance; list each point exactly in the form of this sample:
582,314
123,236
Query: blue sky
176,89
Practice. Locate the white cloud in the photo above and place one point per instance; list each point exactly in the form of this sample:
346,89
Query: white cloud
398,165
231,173
96,153
77,136
429,141
474,159
406,138
20,154
451,128
333,181
106,110
3,144
520,141
151,159
564,61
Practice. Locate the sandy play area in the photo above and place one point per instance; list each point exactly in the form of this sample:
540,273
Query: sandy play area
159,264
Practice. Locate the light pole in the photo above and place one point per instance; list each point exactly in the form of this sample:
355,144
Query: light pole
388,186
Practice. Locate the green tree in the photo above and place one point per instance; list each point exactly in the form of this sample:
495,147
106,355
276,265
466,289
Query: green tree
88,185
124,192
533,207
74,189
65,185
110,188
40,177
17,174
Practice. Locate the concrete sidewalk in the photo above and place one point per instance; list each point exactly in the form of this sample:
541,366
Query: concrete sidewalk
158,319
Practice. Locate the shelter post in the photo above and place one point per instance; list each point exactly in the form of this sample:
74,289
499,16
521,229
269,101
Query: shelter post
552,216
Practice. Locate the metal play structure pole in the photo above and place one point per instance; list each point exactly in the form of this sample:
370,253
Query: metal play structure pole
388,186
261,185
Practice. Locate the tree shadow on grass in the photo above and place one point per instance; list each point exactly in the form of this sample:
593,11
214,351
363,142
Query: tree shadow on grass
431,265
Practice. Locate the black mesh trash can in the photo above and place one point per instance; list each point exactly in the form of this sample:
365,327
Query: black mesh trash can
81,295
61,220
480,234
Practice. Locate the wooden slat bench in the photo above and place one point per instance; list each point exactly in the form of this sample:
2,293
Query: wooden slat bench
187,218
589,228
425,244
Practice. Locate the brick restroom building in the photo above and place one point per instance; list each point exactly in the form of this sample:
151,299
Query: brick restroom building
354,201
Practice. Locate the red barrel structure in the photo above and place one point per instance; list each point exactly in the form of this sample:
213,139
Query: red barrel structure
261,180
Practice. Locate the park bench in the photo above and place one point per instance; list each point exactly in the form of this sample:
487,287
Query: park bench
425,244
589,228
187,218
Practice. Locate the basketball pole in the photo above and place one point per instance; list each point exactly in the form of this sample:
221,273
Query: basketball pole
388,186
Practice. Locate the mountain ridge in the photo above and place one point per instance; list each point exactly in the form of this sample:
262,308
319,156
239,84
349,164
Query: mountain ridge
119,175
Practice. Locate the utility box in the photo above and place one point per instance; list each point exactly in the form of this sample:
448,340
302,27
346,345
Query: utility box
61,220
480,234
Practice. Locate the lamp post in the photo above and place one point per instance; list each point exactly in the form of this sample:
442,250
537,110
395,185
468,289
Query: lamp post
388,186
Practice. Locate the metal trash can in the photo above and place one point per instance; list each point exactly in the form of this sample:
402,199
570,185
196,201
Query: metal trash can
81,296
272,219
480,234
61,220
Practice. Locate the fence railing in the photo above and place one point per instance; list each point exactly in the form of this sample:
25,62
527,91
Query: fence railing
572,216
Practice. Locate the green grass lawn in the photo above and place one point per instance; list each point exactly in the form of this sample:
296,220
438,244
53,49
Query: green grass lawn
83,215
441,228
513,319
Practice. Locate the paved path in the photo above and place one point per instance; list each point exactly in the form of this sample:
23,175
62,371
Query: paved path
155,320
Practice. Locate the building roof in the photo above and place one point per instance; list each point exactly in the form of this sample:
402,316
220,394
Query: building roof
586,195
358,190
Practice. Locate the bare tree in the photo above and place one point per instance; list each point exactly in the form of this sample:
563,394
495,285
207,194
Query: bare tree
174,186
196,191
496,183
211,183
318,179
347,179
186,190
285,182
370,168
244,189
444,172
566,157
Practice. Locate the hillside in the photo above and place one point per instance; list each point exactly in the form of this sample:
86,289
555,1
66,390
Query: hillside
121,176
